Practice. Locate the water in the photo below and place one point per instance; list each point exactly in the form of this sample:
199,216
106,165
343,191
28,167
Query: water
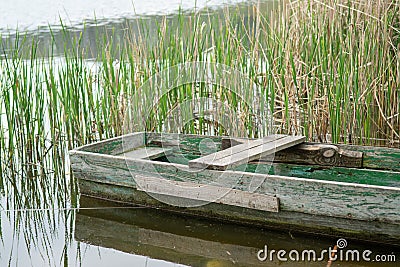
39,14
105,233
40,222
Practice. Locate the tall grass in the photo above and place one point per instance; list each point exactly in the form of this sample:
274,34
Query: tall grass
330,69
327,69
341,62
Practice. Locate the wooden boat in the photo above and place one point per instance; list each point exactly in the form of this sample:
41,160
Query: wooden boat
337,190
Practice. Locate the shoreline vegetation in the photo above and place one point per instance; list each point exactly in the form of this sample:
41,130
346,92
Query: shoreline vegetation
327,69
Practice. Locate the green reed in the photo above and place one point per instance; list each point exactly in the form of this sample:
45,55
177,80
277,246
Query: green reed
328,70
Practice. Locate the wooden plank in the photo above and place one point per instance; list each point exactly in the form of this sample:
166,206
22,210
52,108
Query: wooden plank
244,153
261,151
116,145
320,154
311,154
188,144
240,148
373,157
228,142
317,197
207,193
328,173
232,151
372,230
338,174
146,153
382,158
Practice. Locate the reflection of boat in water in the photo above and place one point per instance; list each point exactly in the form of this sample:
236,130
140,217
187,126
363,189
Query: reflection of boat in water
332,190
165,236
189,241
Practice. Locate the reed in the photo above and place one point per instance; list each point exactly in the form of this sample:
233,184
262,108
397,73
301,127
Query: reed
327,69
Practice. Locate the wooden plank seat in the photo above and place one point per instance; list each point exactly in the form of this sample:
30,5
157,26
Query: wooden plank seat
338,155
146,153
246,152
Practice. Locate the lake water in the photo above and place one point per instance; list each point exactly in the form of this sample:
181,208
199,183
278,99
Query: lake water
39,14
107,234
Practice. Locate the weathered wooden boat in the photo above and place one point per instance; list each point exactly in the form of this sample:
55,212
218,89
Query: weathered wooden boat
337,190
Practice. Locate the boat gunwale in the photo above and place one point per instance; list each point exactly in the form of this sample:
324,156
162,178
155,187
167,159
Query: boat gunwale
233,172
147,134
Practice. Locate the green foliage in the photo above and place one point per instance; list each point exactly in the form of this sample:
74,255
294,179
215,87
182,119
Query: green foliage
328,70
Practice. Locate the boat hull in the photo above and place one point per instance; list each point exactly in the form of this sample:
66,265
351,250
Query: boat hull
342,209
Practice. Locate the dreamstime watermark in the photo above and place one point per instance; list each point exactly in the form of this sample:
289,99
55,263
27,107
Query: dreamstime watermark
339,252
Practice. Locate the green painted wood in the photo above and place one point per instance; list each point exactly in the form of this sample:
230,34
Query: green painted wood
324,196
328,198
194,145
378,157
291,221
191,146
309,153
339,174
245,152
116,145
245,156
232,151
328,173
373,157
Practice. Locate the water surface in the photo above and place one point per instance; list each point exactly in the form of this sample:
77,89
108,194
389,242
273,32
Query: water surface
39,14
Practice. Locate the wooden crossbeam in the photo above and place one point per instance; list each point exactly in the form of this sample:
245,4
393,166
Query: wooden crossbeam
146,153
246,152
310,154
